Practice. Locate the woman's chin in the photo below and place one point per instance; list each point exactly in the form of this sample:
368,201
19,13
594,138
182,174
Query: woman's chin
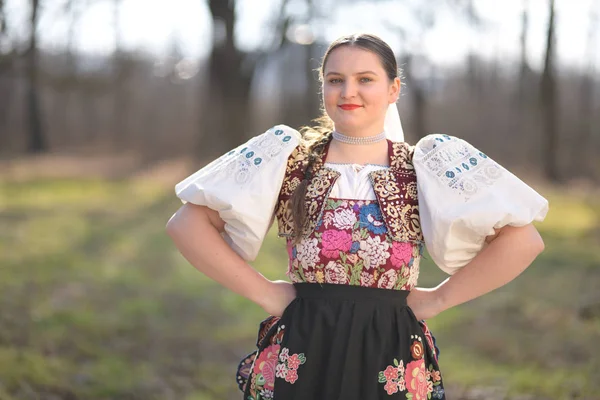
348,126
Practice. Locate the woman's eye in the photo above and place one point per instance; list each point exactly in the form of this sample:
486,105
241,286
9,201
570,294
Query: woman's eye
335,80
365,80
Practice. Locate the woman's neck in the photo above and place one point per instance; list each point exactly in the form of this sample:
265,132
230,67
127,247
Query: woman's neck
344,153
359,132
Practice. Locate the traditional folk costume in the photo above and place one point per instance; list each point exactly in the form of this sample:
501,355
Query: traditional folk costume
349,333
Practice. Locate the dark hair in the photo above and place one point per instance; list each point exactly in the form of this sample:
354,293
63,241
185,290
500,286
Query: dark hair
317,137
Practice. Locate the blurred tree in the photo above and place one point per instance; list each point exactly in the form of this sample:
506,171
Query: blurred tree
418,98
226,110
120,78
587,146
548,101
6,81
67,84
36,139
425,14
299,36
525,69
524,93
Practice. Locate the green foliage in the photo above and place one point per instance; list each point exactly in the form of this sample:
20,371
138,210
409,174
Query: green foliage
96,303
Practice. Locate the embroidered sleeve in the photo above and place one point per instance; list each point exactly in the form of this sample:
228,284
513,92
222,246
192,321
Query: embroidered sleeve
243,186
463,196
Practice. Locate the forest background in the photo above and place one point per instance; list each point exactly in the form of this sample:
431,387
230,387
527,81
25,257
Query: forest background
106,104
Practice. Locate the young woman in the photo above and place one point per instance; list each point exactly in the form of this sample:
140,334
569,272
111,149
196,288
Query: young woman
356,205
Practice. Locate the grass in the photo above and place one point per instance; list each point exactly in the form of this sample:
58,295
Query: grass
95,303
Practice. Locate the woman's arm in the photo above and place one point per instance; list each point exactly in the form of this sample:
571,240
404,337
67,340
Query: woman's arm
508,253
196,232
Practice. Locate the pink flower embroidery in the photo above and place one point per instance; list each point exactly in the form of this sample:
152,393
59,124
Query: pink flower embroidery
288,365
334,242
401,254
393,377
391,387
416,380
266,364
293,362
292,376
390,373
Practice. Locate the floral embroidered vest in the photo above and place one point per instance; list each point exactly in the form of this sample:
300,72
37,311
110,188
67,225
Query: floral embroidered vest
374,243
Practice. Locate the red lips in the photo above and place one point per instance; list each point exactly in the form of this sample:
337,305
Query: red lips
349,107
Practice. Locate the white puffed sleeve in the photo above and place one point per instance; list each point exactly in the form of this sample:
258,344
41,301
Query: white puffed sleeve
243,186
463,196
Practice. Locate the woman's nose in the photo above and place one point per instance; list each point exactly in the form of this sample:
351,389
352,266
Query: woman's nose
348,90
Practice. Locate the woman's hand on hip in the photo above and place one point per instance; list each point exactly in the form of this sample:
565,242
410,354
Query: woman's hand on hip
424,303
279,295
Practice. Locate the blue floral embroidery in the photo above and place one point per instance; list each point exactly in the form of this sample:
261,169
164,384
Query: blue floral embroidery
450,174
257,160
473,161
438,392
355,247
250,154
278,132
375,222
287,139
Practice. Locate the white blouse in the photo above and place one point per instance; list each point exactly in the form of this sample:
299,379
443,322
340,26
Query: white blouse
463,194
354,182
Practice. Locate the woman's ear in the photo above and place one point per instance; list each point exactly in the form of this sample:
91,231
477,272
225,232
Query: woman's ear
395,90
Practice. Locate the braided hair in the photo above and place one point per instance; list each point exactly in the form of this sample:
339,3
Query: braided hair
315,149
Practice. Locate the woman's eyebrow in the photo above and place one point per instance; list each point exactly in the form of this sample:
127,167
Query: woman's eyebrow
358,73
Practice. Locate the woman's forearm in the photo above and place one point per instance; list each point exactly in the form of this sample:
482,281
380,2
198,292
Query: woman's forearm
513,250
200,242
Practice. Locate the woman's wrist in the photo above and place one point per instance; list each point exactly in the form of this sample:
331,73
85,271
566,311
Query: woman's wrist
260,292
441,298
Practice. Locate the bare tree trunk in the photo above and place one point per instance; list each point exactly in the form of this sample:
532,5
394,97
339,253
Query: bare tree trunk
313,101
37,141
226,115
418,100
6,81
522,97
63,104
524,89
586,118
120,103
549,103
525,69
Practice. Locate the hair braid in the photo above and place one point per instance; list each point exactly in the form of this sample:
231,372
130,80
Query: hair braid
298,205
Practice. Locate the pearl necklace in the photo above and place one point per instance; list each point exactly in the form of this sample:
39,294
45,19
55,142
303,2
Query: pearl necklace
358,140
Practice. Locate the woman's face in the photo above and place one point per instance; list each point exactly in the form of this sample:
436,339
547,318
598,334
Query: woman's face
357,91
